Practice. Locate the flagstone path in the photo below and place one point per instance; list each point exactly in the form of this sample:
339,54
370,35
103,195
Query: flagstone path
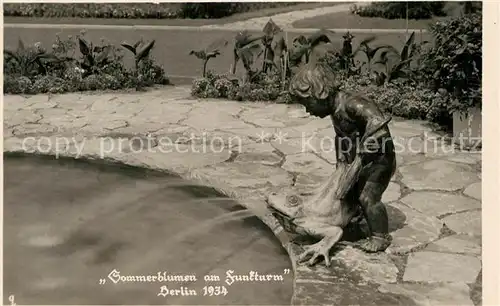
247,150
285,20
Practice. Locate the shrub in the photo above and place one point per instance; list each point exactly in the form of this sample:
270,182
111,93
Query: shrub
206,10
397,10
401,98
16,84
264,88
27,61
152,73
49,83
405,99
215,86
454,64
93,10
136,10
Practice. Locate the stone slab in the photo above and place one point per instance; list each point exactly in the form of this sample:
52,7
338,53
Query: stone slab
392,193
308,163
462,244
251,176
438,203
441,267
438,175
262,153
410,228
377,268
465,223
432,295
474,191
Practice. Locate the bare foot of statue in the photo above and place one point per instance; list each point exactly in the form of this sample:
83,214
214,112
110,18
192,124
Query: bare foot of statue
375,244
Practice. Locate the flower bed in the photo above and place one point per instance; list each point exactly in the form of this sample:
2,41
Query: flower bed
403,99
34,69
224,86
416,81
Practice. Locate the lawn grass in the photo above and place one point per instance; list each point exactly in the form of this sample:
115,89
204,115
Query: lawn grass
172,22
346,20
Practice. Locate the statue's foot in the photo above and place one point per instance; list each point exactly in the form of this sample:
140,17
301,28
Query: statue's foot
376,244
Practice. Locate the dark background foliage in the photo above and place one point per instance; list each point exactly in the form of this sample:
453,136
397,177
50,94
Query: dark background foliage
137,10
454,64
397,10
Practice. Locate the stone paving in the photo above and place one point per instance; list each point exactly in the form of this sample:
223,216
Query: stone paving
247,150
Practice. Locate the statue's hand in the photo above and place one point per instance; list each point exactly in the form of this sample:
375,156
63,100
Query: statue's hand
341,161
369,146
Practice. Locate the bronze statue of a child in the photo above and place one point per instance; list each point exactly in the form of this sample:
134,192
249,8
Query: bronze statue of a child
353,115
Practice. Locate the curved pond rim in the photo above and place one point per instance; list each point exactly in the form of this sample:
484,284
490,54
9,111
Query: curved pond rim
197,189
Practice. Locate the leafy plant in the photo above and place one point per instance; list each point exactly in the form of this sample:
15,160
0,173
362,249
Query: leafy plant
211,51
139,56
346,54
401,67
32,70
403,98
343,60
28,61
303,46
370,52
280,50
246,49
454,63
94,58
270,30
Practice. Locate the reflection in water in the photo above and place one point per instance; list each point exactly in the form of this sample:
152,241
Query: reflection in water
69,224
230,216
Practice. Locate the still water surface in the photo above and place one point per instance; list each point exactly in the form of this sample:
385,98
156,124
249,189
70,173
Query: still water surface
69,224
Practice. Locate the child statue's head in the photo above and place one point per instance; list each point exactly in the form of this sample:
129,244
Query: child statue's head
314,86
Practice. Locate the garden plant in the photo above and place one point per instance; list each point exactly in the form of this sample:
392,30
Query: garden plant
211,51
419,80
77,64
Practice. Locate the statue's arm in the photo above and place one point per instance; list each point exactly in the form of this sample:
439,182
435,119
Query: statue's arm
374,142
366,112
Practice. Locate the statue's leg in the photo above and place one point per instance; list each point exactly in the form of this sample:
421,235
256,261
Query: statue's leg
370,194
